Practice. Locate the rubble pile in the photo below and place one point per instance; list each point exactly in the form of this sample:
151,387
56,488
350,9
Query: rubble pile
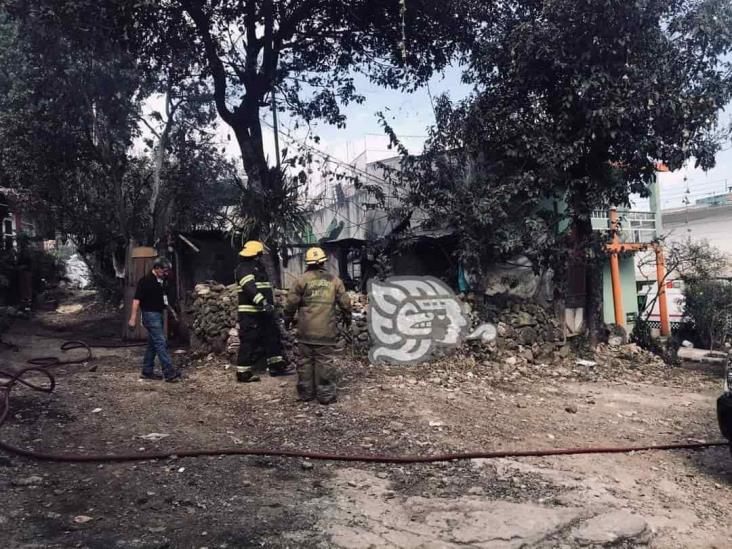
214,321
530,343
289,342
358,334
526,331
623,361
213,315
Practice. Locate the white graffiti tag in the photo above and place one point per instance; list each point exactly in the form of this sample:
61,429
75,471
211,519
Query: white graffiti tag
410,316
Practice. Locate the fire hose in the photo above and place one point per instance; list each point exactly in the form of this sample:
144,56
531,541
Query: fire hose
43,365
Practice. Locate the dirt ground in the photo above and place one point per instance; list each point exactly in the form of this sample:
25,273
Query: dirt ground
660,499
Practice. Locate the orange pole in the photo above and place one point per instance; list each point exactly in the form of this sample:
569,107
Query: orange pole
617,292
662,305
615,270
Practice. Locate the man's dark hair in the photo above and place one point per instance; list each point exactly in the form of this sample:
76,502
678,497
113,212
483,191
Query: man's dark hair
162,263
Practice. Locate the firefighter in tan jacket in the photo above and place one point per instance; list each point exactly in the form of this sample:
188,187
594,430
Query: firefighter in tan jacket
315,298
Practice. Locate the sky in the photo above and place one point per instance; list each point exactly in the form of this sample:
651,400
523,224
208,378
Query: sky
410,114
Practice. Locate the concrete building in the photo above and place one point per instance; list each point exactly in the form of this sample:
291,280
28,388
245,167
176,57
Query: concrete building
349,218
706,219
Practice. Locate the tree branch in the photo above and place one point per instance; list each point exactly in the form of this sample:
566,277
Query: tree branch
203,25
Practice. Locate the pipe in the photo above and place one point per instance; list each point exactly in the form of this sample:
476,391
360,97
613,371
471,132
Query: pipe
617,291
615,270
660,278
42,365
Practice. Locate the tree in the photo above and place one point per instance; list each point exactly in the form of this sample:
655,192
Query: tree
69,97
575,104
72,84
686,260
690,261
708,305
307,52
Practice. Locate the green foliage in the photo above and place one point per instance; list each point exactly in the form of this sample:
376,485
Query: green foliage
641,336
73,81
308,53
683,331
708,305
45,267
688,260
573,104
8,268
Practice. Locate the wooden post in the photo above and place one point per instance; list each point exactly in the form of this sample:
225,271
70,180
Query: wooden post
615,270
660,278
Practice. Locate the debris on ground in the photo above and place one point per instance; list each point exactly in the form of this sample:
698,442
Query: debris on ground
529,342
457,403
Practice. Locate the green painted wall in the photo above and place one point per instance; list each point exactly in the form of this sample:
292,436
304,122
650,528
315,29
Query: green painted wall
628,286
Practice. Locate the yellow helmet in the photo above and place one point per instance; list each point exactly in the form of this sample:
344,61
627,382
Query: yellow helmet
315,256
252,249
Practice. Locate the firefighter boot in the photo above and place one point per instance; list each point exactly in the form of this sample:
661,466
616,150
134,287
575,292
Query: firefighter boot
246,376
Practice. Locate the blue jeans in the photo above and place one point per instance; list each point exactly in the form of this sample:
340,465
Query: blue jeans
156,344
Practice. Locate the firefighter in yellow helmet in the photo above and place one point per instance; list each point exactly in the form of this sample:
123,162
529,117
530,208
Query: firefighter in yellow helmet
259,336
314,298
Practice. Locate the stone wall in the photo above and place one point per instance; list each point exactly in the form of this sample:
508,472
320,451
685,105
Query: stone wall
528,334
213,316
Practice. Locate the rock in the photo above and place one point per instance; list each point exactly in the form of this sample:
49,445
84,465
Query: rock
613,528
571,408
307,465
615,341
33,480
545,350
527,355
511,360
523,318
82,519
527,336
565,351
154,436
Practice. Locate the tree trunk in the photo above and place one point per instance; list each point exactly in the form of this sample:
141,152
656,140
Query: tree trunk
593,278
160,152
271,262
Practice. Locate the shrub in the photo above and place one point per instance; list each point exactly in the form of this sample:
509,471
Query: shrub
708,306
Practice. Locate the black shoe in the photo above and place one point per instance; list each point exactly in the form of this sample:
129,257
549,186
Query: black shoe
156,377
246,377
282,371
175,378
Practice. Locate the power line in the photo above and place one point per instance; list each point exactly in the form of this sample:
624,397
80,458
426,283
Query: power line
325,154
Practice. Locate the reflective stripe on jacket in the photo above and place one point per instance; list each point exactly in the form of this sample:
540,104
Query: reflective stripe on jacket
254,288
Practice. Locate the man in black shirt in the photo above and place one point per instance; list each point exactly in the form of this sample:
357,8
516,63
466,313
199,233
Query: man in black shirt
152,298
